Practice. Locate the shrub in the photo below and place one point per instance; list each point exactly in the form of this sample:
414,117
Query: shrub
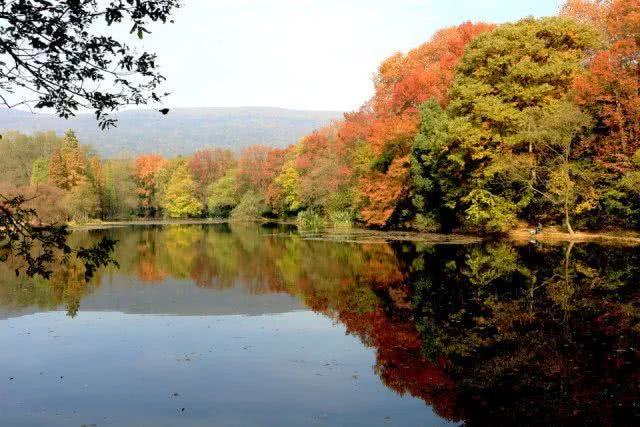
341,219
426,223
310,220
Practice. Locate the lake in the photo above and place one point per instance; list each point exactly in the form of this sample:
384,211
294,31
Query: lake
247,325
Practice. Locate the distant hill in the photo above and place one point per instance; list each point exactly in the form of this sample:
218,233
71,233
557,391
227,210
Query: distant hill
182,131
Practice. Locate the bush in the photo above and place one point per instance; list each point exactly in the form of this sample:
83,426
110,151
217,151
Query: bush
427,223
341,219
310,220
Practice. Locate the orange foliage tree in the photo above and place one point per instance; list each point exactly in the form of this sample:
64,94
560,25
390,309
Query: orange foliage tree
610,86
145,168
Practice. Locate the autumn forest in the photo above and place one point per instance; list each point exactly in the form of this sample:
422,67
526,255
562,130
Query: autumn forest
479,129
460,249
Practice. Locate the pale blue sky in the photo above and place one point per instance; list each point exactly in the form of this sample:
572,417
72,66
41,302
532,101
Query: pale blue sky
305,54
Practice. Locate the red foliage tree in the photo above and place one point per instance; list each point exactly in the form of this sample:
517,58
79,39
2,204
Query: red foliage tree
325,168
258,165
208,165
611,84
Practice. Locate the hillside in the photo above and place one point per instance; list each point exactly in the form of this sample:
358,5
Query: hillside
182,131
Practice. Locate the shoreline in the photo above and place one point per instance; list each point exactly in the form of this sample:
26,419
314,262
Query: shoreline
554,235
126,223
365,235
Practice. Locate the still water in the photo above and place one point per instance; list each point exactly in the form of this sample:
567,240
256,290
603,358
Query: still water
224,325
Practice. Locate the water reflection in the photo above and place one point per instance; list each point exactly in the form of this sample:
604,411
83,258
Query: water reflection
488,334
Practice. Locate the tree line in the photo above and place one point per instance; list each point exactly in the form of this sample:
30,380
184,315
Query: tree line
478,129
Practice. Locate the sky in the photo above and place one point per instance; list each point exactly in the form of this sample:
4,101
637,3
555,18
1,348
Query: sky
303,54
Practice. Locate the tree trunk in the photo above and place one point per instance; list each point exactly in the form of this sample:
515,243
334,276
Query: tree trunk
566,217
533,163
567,184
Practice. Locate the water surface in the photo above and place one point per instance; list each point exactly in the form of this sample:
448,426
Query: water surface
247,325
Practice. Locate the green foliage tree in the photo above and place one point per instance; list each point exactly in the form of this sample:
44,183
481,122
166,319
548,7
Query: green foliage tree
223,195
488,212
289,183
430,185
180,198
125,187
18,152
555,172
110,195
503,80
83,202
39,171
162,178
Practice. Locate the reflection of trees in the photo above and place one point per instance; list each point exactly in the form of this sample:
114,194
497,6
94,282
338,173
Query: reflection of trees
494,334
69,286
145,253
548,337
400,362
66,287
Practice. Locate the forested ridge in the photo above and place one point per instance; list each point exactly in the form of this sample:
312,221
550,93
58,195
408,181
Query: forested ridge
182,132
477,129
